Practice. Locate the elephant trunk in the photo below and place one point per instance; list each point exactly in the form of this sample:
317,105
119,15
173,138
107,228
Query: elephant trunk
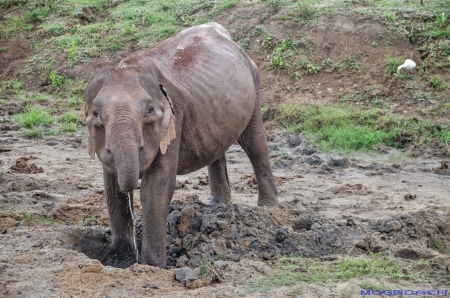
123,139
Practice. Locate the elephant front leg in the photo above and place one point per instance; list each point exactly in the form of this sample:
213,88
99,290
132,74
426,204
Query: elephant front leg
123,252
157,188
218,182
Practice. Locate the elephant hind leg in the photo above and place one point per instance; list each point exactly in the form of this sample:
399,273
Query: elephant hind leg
218,182
253,141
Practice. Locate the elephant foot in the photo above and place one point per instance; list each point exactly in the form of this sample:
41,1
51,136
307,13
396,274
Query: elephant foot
268,202
121,256
215,201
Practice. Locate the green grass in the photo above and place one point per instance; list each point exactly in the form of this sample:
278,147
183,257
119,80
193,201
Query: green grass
298,272
203,267
34,116
346,129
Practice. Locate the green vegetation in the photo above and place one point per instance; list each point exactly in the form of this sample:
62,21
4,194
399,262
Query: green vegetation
34,116
437,83
346,129
203,267
296,273
57,80
28,215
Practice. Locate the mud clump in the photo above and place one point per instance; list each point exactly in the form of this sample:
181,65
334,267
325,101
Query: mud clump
197,232
21,166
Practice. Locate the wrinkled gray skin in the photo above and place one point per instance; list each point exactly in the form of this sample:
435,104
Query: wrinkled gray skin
170,110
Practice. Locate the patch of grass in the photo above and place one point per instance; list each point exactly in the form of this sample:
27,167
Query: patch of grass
423,96
48,220
16,85
437,83
299,272
349,128
53,29
28,215
3,49
203,267
220,257
437,243
74,101
38,132
34,116
350,97
57,80
69,118
392,63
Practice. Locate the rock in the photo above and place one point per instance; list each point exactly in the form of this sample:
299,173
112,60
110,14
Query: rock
182,261
183,273
410,197
294,140
282,234
96,267
388,225
219,265
194,283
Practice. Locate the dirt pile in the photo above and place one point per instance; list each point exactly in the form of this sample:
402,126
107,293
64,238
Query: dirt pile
22,166
196,233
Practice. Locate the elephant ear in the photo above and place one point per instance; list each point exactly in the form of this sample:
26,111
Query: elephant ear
168,132
90,146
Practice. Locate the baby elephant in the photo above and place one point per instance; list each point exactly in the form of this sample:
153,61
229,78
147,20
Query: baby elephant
170,110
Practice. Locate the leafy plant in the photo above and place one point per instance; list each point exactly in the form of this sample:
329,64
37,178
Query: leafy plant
57,80
437,83
28,215
16,85
73,53
203,267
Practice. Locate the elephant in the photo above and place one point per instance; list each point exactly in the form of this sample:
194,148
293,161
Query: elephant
171,110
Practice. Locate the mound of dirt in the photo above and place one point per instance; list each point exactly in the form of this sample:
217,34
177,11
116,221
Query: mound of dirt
196,233
21,166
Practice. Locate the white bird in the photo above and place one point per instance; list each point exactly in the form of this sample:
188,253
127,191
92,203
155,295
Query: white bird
409,64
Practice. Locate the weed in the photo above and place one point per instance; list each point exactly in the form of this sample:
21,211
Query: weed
353,63
48,220
422,96
37,132
349,97
69,127
389,16
281,54
89,221
73,53
220,257
3,49
53,29
28,215
437,83
298,273
437,243
69,118
16,85
34,116
57,80
74,101
392,63
203,267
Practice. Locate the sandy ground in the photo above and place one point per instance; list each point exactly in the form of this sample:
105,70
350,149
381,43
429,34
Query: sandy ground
44,215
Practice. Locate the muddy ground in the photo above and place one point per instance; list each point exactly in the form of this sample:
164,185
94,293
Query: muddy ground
54,224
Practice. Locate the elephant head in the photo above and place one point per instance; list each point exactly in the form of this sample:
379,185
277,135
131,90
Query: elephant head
129,119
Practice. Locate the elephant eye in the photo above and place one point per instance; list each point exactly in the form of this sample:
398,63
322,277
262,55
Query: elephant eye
150,110
95,114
